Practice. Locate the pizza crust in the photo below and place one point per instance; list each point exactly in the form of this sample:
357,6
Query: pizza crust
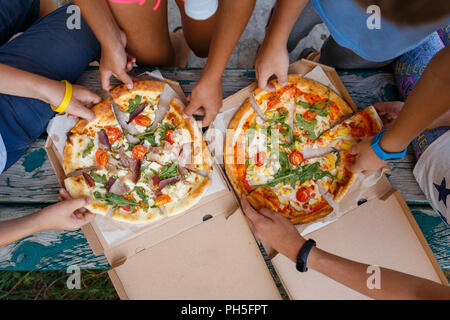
234,131
149,90
77,188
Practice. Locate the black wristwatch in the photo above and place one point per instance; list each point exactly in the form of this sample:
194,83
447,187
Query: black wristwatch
302,256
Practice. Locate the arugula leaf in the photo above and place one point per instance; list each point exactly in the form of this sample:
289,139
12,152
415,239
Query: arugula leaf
98,178
88,149
141,193
301,174
307,126
169,171
280,117
115,200
247,163
323,112
338,156
134,104
152,139
251,133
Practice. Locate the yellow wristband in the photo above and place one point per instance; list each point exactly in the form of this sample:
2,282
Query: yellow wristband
67,98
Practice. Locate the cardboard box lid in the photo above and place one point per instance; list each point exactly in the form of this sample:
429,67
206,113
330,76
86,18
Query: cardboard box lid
217,259
380,233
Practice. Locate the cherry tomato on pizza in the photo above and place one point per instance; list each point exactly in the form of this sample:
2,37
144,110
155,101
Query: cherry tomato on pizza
302,194
142,120
260,159
139,151
170,136
126,208
102,157
113,134
295,158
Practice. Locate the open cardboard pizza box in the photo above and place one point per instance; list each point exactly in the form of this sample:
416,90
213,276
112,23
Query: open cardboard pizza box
209,252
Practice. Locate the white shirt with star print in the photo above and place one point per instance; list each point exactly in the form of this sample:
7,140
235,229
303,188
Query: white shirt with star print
432,172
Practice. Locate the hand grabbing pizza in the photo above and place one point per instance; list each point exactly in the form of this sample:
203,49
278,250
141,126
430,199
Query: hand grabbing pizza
206,100
82,100
115,61
68,214
367,161
271,60
274,229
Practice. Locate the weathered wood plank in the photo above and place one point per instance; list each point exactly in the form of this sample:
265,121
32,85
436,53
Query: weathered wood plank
31,179
47,250
435,232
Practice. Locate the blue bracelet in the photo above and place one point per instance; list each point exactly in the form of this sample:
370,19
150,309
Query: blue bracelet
383,155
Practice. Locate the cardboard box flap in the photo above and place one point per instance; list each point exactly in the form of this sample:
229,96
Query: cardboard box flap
217,259
379,233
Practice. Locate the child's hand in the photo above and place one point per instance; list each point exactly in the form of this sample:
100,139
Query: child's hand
367,161
115,61
274,229
271,60
82,100
68,214
206,100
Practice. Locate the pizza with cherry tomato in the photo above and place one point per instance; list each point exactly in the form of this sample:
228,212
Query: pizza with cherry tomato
136,161
264,151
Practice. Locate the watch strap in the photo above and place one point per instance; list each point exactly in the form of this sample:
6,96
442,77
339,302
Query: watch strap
383,155
303,254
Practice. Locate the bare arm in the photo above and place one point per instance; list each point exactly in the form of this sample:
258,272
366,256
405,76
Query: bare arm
280,234
114,60
394,284
231,21
25,84
65,215
273,58
101,20
429,100
427,106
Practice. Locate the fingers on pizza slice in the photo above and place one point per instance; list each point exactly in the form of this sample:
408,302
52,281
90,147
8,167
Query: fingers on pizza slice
78,187
302,204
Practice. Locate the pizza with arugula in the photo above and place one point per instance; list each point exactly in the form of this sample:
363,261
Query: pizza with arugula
137,161
264,149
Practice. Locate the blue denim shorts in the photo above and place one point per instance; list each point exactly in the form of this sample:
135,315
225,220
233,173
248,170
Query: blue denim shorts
46,47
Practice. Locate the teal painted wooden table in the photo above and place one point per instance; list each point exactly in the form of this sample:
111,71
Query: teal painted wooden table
31,183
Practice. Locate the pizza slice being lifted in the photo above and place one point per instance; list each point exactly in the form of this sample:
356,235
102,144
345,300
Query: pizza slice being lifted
364,124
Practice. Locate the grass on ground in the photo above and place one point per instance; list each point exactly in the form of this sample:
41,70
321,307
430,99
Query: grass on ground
49,285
